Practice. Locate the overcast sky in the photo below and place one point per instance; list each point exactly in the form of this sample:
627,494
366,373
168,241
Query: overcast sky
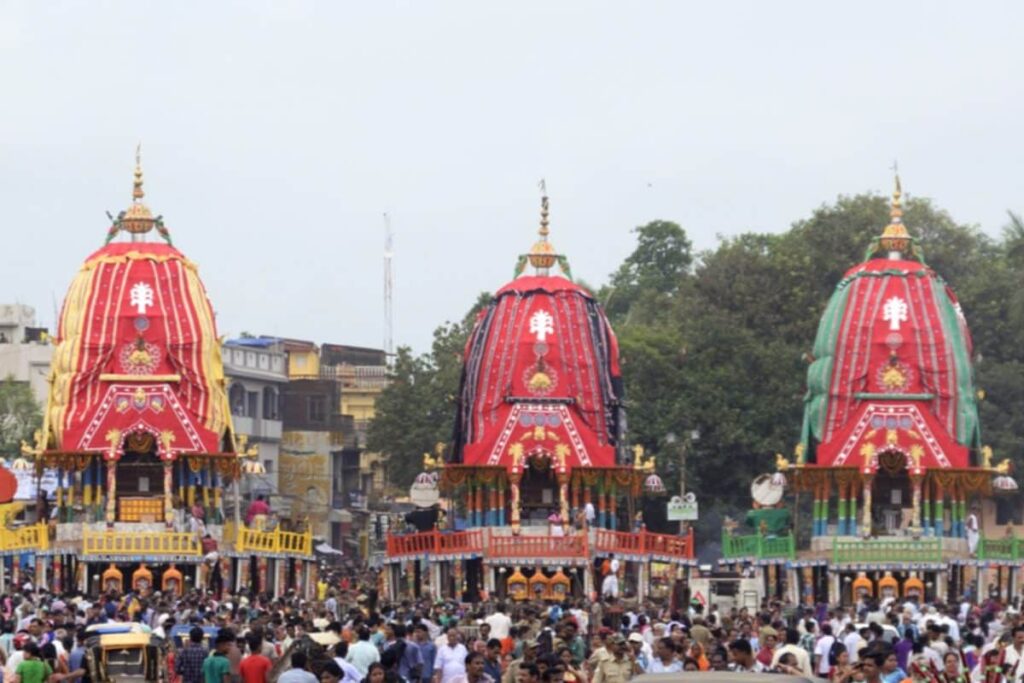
276,134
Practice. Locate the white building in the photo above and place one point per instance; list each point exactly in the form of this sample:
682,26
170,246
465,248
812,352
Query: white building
256,371
25,350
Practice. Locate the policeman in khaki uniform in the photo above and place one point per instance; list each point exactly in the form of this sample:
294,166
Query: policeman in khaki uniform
620,666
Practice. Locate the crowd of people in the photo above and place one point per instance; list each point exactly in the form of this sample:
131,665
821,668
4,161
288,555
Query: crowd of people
245,638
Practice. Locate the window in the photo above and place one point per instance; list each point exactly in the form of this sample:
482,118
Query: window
264,361
270,404
317,409
268,465
252,400
236,395
250,359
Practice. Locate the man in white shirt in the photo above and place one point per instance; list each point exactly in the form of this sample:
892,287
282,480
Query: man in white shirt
821,650
362,654
1014,653
854,642
499,623
451,659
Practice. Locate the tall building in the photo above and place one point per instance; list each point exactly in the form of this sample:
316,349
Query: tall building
25,349
325,470
256,371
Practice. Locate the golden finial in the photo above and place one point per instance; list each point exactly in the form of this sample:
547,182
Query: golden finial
543,210
138,219
137,192
895,237
542,254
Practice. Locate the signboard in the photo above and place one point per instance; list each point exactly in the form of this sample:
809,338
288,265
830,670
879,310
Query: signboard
682,508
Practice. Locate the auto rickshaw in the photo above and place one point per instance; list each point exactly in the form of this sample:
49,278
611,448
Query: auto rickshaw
119,653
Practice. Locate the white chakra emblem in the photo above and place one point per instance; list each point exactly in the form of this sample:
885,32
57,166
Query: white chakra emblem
894,312
541,325
141,297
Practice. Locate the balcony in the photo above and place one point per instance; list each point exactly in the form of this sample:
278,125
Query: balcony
758,547
493,545
924,550
148,543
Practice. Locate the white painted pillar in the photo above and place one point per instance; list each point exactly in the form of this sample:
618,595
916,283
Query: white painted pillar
942,585
641,581
435,580
792,586
489,582
835,589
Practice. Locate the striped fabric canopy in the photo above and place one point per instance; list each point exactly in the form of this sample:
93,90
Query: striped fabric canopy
137,353
891,370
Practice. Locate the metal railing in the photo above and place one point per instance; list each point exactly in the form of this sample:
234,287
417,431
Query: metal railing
758,546
887,550
999,548
31,537
140,543
491,545
275,541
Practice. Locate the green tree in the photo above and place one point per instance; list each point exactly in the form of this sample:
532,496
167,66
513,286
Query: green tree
652,274
416,411
20,416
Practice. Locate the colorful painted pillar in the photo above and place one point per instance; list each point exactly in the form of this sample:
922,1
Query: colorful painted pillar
58,575
243,571
866,522
470,501
111,492
915,519
492,505
514,512
851,520
263,574
843,487
613,500
501,503
962,514
808,585
314,578
479,507
940,513
563,501
225,573
926,509
282,575
169,494
602,500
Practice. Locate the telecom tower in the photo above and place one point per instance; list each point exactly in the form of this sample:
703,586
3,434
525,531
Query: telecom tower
389,286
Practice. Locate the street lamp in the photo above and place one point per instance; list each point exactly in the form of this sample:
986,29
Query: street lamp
684,444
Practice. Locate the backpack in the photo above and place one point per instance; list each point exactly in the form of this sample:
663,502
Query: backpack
834,651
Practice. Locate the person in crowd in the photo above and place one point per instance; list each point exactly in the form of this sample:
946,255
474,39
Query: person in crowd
451,658
299,671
